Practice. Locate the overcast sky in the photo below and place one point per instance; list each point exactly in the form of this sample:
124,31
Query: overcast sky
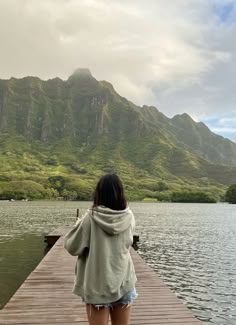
179,56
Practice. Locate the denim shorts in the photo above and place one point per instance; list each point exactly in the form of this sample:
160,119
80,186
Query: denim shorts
127,299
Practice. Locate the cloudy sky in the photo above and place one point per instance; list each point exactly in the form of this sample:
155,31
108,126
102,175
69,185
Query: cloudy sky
179,56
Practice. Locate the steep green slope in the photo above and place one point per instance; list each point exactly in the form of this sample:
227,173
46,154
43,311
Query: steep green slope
202,141
81,128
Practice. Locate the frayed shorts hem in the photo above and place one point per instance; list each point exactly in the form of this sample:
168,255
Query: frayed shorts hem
126,300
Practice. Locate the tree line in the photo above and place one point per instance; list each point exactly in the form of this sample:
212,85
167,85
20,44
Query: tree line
56,187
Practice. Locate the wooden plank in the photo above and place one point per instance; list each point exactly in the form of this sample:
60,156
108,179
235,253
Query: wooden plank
46,298
51,238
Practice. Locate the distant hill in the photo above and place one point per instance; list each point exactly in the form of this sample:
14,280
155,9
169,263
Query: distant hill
81,128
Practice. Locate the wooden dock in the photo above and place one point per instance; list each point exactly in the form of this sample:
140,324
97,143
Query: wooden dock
46,298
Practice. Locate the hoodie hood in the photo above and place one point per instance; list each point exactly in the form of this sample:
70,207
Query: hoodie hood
111,221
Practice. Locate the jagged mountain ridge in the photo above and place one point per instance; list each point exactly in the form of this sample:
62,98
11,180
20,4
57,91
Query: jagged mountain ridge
95,119
46,110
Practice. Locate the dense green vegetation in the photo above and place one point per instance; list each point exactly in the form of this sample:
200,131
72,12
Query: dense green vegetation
57,137
19,190
193,197
230,195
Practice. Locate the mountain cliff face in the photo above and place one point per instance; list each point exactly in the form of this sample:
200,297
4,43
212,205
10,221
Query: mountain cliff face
84,121
203,142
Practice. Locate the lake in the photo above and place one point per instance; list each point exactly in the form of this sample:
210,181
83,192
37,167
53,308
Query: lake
191,246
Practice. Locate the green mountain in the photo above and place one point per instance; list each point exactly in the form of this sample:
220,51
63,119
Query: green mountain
61,135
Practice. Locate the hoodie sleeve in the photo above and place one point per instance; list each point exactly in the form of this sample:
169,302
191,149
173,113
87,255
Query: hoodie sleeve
78,238
133,222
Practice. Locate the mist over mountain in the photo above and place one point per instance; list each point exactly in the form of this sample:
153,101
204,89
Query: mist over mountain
63,127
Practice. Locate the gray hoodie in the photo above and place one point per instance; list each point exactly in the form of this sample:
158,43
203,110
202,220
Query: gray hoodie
104,268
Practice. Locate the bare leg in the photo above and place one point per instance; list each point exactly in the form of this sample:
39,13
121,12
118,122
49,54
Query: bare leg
97,316
120,314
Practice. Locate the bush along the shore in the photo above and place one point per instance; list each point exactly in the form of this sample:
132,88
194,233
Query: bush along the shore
53,188
230,195
192,197
20,190
72,188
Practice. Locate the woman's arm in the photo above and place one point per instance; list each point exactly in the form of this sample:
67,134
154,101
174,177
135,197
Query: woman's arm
78,238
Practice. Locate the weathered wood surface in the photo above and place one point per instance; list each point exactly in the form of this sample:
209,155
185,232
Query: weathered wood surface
51,238
46,298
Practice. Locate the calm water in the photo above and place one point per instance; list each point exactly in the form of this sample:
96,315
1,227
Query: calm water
191,246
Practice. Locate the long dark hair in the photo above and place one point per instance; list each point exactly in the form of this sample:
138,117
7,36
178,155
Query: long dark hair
109,192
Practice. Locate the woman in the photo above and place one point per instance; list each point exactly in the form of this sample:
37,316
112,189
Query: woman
105,275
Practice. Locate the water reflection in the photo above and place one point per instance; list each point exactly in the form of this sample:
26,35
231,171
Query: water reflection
19,256
22,229
193,249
